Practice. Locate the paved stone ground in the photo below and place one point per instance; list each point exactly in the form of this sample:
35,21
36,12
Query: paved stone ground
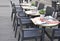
6,29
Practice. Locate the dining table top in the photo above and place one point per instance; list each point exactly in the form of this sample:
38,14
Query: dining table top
45,22
32,12
29,7
25,4
58,3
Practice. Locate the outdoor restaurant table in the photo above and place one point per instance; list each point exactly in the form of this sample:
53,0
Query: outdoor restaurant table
29,7
25,4
37,21
32,12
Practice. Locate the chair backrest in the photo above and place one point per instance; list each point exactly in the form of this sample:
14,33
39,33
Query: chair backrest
41,6
54,4
24,21
56,33
49,11
26,1
21,14
58,16
20,1
21,26
11,2
14,8
58,8
36,3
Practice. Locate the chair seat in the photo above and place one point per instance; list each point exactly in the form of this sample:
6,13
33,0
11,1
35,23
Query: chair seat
18,9
26,21
31,32
23,17
21,13
57,34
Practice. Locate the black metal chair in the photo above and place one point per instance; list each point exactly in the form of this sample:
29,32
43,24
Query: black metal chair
13,9
13,12
29,33
41,6
26,20
50,11
56,32
20,13
58,7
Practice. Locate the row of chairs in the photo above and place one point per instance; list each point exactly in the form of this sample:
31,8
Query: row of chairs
27,29
40,6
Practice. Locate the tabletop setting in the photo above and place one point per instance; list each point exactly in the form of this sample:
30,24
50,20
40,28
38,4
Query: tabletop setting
48,20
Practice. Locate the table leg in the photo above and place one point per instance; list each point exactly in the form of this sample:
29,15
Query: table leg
46,33
42,37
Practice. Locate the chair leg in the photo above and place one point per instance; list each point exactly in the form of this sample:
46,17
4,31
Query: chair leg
11,16
35,39
41,39
16,32
19,37
16,29
51,39
59,39
14,22
43,35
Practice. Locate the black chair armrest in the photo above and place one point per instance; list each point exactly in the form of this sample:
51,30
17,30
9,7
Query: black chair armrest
17,5
32,29
57,29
